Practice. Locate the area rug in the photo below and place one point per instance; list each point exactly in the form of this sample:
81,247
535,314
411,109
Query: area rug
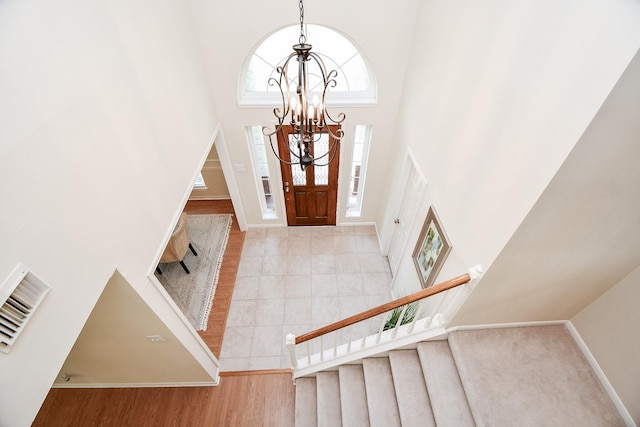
194,292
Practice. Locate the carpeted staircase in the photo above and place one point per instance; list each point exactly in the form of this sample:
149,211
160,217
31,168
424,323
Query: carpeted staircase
528,376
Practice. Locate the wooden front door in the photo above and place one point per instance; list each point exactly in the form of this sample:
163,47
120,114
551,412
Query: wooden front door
311,195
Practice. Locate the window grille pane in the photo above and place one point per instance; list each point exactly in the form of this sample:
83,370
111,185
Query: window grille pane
261,168
261,154
299,176
266,186
321,148
270,203
358,169
353,72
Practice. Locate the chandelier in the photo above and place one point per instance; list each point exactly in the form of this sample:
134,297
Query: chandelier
304,106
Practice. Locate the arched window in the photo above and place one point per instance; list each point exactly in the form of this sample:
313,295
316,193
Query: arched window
355,81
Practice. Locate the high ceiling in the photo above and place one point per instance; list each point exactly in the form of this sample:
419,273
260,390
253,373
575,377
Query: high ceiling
383,32
575,232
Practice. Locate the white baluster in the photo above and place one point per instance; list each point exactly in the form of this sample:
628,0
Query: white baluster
438,320
399,322
435,312
419,311
364,337
384,321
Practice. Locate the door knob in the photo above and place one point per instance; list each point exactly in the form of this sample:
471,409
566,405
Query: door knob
286,187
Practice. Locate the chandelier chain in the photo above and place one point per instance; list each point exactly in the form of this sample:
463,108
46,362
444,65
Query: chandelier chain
303,37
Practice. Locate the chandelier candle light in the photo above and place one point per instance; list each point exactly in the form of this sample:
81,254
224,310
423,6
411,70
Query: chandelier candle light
302,108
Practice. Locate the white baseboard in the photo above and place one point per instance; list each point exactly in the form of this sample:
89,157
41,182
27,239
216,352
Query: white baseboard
506,325
600,374
221,197
137,385
344,223
267,225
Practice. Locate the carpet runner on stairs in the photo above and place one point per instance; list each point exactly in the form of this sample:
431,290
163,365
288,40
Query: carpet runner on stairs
448,399
353,396
528,376
414,405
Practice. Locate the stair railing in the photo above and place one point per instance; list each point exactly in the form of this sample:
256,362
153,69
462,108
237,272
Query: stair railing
399,319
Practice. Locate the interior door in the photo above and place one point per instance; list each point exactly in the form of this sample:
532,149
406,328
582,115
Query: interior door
311,196
413,192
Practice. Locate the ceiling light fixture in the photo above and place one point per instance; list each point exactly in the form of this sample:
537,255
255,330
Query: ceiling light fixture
304,106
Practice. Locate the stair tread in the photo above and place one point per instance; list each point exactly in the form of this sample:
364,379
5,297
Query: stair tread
411,391
306,403
328,391
448,399
381,397
353,396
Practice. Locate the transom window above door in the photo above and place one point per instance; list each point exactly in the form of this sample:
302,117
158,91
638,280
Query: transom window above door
355,81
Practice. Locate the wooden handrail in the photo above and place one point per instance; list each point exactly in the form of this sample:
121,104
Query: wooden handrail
431,290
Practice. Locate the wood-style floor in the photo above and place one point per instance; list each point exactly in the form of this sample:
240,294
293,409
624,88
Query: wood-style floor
241,399
228,271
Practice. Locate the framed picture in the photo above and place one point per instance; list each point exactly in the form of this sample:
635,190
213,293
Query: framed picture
431,250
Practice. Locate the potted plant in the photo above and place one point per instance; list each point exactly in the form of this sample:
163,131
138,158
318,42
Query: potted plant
409,315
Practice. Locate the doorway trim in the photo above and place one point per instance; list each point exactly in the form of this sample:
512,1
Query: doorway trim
408,165
310,203
227,170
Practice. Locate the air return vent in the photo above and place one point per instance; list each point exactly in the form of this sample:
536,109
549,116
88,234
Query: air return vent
20,296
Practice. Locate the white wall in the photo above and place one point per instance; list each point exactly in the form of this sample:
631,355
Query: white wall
575,243
381,29
496,95
213,176
113,348
610,326
106,117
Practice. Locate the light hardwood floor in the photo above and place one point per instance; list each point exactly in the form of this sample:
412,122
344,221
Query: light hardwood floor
222,298
241,399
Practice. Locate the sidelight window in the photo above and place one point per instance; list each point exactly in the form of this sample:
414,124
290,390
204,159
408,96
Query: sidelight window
358,169
260,163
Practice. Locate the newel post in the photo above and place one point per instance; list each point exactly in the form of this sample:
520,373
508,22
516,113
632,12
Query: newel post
290,341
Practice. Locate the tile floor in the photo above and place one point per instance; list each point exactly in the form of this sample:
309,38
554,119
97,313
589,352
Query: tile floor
296,279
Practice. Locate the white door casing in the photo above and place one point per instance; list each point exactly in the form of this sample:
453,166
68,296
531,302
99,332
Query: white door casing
412,195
